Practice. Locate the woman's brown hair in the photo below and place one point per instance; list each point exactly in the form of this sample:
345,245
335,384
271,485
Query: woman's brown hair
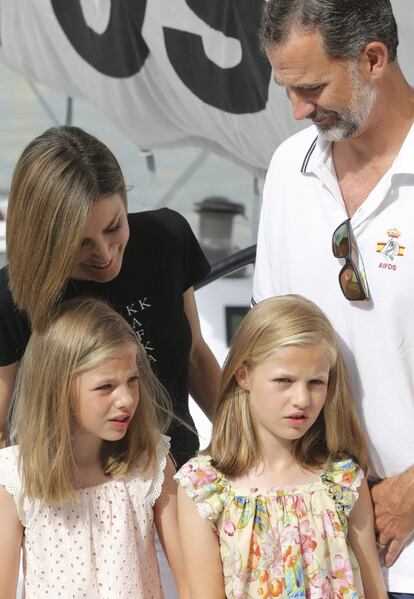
55,184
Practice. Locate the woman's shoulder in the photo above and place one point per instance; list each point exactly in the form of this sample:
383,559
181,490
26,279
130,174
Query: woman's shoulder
166,240
6,299
161,221
4,277
14,325
8,308
205,485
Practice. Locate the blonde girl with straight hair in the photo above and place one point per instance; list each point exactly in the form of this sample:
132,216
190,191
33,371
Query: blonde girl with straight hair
279,499
69,235
91,475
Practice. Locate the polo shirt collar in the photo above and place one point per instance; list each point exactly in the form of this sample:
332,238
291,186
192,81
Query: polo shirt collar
319,153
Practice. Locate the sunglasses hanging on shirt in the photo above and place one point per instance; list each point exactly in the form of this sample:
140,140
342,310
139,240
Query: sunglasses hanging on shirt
352,277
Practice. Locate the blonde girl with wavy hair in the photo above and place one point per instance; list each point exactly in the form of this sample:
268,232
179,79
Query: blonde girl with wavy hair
91,475
279,499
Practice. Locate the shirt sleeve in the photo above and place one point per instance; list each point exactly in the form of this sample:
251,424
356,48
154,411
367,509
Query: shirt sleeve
195,265
204,485
10,478
343,479
14,325
162,451
263,284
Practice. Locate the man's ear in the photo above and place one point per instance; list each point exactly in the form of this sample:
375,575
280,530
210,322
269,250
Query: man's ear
375,59
242,377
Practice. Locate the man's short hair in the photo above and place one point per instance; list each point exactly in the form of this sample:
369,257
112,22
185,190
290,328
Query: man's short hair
346,26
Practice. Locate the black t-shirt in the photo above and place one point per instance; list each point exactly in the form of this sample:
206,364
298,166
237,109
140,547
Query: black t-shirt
161,261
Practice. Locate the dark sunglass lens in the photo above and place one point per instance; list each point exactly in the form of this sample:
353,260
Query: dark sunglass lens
340,242
350,284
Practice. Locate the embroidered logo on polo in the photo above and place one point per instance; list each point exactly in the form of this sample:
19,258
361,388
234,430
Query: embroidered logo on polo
133,312
390,249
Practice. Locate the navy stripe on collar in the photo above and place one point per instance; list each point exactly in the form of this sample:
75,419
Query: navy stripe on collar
308,155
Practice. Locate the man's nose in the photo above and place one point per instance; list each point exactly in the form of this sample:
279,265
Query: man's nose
301,107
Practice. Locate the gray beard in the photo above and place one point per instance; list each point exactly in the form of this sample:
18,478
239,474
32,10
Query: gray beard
347,124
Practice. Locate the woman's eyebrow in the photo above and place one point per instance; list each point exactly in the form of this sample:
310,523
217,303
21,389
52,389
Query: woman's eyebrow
113,221
111,224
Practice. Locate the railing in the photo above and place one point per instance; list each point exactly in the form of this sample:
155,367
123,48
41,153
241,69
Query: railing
228,265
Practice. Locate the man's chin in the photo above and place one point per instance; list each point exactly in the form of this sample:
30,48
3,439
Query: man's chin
336,133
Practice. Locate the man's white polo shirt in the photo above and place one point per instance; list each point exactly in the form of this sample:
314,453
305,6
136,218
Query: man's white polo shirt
302,206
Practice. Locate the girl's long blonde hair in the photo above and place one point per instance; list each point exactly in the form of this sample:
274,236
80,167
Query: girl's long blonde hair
84,333
57,180
275,323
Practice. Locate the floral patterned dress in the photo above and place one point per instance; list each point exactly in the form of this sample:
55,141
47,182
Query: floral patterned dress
287,542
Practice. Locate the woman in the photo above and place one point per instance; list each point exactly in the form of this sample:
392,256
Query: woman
69,234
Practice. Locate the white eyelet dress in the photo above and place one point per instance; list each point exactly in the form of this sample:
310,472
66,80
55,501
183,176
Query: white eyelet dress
99,548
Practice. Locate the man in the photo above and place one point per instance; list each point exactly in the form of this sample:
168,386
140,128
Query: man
337,62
